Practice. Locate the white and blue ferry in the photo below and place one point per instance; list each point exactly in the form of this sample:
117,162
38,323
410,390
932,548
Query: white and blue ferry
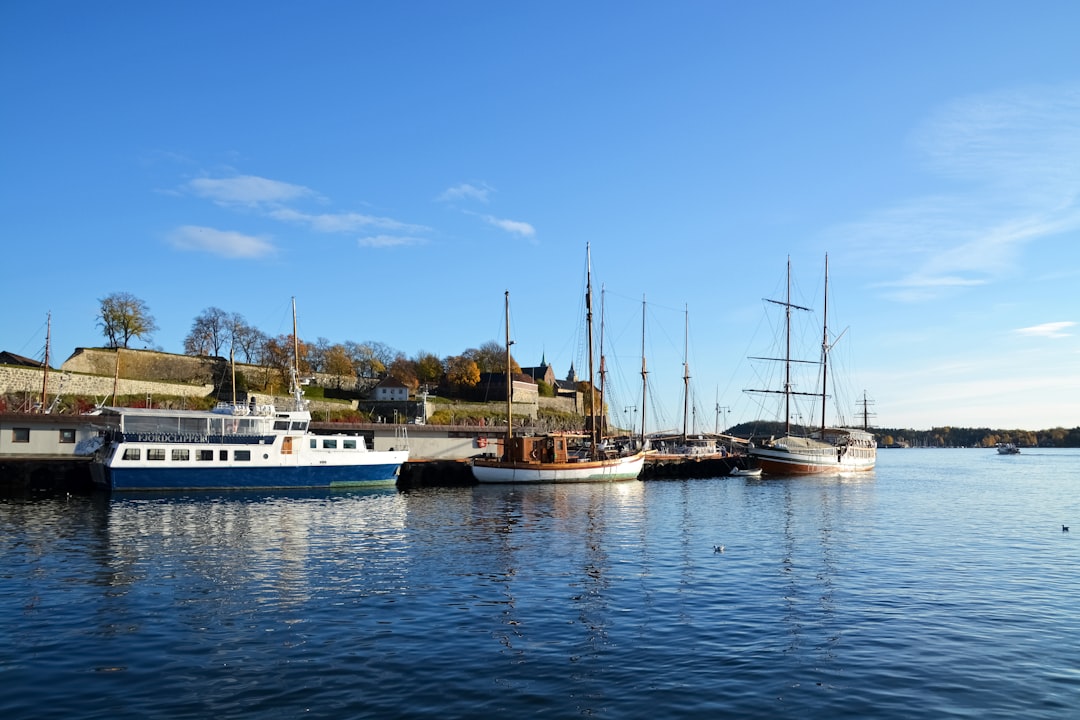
234,446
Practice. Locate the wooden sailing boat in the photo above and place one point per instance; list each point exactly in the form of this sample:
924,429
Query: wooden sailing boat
827,450
557,457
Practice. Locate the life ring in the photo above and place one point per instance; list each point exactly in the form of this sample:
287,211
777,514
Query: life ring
481,442
534,454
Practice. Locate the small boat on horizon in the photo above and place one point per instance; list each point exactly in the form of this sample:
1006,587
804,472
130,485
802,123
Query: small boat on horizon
1007,449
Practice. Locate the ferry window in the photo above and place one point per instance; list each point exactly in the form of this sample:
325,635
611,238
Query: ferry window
20,435
241,455
206,455
132,453
299,426
314,443
329,444
67,436
181,454
155,453
348,444
223,455
281,424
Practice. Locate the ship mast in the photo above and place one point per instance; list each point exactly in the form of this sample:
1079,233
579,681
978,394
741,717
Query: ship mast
825,346
509,385
594,435
644,373
686,371
45,378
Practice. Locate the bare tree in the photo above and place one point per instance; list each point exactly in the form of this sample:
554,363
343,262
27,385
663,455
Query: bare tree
123,316
210,332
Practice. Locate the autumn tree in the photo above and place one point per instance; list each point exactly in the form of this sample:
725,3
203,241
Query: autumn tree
429,369
403,370
279,358
462,372
491,357
369,359
337,362
123,316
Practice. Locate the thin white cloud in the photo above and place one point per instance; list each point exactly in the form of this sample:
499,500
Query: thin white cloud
1015,158
248,190
341,222
386,241
466,191
220,242
1047,330
515,227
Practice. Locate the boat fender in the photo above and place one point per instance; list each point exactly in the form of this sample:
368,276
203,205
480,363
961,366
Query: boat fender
481,442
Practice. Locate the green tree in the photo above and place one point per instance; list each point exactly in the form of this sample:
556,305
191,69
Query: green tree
123,316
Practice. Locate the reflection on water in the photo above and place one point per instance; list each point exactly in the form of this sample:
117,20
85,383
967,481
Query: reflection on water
939,585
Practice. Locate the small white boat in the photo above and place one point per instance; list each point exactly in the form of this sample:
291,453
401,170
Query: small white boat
1007,449
746,472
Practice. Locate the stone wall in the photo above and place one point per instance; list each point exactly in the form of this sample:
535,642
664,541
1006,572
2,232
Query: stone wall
28,380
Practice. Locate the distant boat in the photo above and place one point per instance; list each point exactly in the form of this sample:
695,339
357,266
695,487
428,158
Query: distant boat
827,450
559,457
244,446
746,472
1007,449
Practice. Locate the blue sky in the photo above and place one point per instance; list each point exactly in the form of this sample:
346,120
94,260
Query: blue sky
397,166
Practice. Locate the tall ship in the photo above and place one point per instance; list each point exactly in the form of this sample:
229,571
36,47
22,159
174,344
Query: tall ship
559,457
235,446
827,449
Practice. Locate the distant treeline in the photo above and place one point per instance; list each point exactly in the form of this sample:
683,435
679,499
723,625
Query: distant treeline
938,437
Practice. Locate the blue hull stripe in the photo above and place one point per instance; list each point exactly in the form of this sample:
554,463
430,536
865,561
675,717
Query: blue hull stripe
233,478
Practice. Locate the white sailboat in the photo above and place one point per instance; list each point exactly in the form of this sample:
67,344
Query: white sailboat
827,450
558,457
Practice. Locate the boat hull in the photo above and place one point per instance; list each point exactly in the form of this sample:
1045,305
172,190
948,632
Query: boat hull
802,456
596,471
266,478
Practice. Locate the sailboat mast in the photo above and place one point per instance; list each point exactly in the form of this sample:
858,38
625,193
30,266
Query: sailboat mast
594,435
787,354
603,362
686,371
295,347
509,386
825,346
45,377
644,372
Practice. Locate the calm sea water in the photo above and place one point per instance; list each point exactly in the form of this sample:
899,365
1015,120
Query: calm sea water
941,585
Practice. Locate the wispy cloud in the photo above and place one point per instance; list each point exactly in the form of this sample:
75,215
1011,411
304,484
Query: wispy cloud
248,190
386,241
1015,158
220,242
466,191
341,222
1047,330
515,227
